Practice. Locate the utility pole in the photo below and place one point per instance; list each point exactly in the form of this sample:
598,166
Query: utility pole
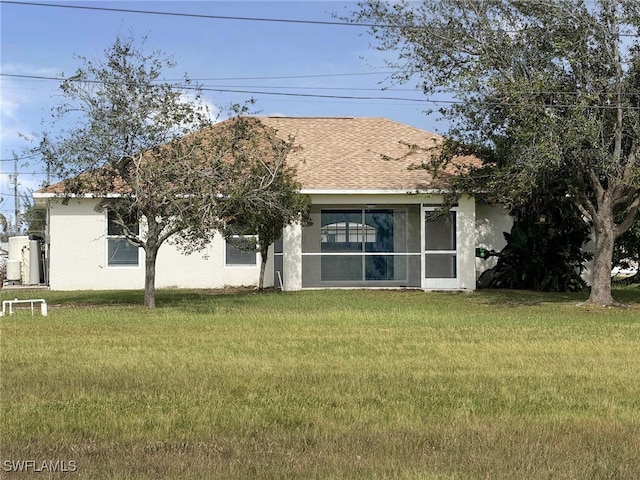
13,180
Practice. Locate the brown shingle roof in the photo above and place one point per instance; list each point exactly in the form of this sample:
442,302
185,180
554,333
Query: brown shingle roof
353,153
367,153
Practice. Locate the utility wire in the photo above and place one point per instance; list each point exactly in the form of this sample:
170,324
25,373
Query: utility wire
354,97
237,18
19,158
199,15
284,77
233,90
217,79
187,86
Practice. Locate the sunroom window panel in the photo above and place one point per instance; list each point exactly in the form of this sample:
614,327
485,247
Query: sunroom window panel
341,231
440,233
380,225
379,267
362,247
440,265
341,268
440,260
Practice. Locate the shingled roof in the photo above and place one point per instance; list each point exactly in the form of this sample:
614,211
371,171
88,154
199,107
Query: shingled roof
353,154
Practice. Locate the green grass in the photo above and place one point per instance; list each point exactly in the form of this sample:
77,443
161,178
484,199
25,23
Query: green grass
323,384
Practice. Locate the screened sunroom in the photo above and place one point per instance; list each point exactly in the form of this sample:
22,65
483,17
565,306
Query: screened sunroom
393,246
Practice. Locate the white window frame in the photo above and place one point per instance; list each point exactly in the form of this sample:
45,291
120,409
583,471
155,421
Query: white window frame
438,283
109,237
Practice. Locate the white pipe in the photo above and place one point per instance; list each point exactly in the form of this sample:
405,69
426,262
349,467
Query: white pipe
10,303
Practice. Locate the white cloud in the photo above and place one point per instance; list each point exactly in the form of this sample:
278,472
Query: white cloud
205,107
21,97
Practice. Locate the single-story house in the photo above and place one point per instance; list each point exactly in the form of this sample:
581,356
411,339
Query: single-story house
369,228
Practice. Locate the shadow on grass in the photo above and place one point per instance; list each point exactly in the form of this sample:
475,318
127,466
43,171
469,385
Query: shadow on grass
627,295
205,299
165,298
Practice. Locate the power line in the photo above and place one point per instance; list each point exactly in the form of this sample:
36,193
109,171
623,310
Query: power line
19,158
286,77
382,98
186,86
238,18
199,15
220,79
234,90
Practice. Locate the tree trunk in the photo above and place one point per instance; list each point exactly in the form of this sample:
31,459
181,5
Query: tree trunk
151,254
263,267
602,260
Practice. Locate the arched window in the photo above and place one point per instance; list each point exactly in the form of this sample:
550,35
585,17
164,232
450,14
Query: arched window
347,232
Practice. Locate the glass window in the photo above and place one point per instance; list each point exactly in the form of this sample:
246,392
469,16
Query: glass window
379,267
381,223
278,263
114,227
119,250
278,246
360,231
342,231
240,250
341,268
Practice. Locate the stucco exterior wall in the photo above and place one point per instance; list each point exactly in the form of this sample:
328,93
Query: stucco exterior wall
466,243
78,248
78,257
491,224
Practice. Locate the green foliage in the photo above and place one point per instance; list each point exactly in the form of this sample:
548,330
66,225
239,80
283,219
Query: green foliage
5,232
266,196
154,145
544,249
542,90
34,218
539,257
626,253
118,129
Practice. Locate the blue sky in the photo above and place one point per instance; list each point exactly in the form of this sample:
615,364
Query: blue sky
308,59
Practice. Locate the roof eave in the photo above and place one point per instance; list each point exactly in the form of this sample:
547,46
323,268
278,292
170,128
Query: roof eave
48,195
306,191
397,191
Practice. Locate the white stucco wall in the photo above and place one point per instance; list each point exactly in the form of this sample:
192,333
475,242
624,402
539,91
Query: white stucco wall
292,257
78,257
491,224
466,243
78,248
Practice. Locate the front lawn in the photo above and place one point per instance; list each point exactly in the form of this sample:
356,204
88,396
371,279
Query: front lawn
321,384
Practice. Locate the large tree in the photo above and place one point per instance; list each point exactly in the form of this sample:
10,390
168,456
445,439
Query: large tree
148,150
538,90
266,196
